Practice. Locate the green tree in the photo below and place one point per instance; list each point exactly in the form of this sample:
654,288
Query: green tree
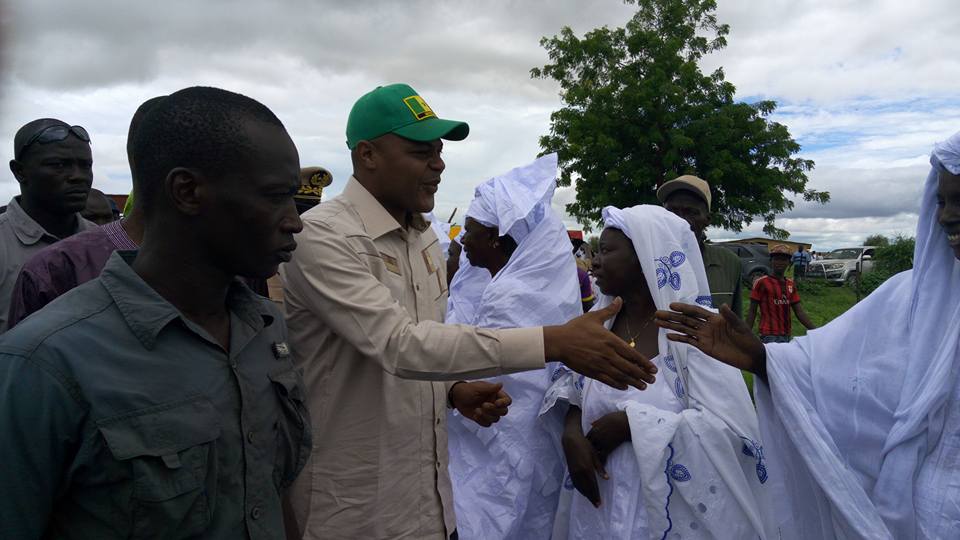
638,111
888,261
877,240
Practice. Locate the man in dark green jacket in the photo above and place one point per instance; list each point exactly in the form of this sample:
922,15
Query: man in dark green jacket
159,400
689,197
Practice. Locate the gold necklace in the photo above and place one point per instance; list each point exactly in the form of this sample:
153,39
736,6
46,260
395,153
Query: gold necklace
632,342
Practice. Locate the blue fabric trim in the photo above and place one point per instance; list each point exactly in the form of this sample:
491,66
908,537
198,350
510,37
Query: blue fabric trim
666,471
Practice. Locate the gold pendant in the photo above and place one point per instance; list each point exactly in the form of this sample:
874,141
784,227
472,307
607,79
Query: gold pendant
633,344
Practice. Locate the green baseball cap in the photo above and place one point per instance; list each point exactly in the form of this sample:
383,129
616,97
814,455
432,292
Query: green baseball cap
398,109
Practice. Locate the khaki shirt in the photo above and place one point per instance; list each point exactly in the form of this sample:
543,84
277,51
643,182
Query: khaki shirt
123,419
364,298
20,238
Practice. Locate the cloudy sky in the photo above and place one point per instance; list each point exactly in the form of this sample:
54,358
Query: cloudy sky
865,86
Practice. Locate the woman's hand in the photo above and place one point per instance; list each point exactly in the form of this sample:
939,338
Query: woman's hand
609,432
583,462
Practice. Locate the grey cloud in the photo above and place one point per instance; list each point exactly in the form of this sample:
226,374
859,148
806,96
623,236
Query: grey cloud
859,193
93,63
444,45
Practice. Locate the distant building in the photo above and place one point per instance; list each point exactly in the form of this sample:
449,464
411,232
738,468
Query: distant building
121,200
769,242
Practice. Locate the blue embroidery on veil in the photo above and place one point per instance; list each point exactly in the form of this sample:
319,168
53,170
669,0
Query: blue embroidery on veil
753,449
665,273
678,388
670,363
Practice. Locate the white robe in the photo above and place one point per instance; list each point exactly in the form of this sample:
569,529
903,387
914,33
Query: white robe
506,478
695,467
863,410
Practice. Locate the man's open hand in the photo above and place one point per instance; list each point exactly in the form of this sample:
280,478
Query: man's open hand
480,401
585,346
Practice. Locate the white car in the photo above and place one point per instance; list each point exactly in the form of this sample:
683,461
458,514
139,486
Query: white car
843,265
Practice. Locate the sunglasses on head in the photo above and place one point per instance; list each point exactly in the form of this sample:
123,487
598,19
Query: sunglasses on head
55,133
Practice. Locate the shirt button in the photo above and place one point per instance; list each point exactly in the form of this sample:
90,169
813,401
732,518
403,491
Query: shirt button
255,513
250,437
417,287
438,421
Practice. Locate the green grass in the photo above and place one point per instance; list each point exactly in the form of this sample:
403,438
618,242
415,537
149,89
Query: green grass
822,302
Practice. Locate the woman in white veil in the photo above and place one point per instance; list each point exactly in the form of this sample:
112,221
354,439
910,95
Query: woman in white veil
516,270
683,457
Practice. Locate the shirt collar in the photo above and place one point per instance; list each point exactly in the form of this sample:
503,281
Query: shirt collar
376,220
147,313
28,231
118,235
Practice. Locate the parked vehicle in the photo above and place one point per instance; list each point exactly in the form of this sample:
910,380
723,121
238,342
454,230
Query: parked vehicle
754,261
844,265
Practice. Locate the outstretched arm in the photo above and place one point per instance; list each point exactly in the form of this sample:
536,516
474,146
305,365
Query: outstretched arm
332,280
720,335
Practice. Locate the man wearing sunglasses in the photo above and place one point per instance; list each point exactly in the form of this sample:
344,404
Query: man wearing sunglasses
54,166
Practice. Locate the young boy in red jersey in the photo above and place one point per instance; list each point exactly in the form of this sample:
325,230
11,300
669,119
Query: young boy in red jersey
776,295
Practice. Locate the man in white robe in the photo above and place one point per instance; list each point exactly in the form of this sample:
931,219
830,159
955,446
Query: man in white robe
864,413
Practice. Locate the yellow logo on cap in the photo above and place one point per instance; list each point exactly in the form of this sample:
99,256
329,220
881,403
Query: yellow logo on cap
419,108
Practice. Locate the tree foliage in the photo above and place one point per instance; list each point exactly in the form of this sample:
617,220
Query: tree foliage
877,240
888,261
638,111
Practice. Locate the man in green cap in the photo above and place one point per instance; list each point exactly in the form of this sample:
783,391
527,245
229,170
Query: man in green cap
366,293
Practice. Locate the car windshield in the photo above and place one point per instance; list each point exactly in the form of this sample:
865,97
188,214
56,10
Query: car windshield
849,253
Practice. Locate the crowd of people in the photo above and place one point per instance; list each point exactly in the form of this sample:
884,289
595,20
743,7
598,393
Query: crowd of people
235,359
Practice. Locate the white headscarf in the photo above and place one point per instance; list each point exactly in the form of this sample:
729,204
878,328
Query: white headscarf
507,478
704,464
538,285
856,406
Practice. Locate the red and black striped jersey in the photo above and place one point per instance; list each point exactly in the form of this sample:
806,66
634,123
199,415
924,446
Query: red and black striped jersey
775,298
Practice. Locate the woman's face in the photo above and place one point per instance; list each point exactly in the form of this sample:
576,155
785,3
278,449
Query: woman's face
478,243
615,265
948,209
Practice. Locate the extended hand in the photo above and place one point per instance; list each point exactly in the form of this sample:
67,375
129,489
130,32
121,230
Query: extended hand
720,335
585,346
480,401
608,432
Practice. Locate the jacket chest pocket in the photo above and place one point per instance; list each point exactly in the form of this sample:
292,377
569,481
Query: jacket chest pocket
293,432
171,451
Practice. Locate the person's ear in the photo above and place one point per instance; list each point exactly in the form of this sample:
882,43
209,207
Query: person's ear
366,155
17,169
187,189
